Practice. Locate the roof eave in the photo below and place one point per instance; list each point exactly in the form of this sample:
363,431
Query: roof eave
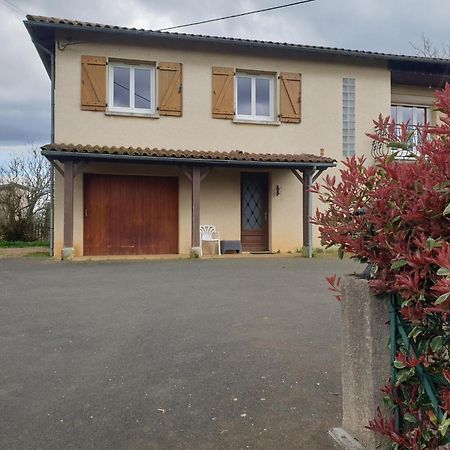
313,51
157,35
61,155
45,58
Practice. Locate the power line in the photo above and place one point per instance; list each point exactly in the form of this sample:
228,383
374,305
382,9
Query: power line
14,7
135,93
237,15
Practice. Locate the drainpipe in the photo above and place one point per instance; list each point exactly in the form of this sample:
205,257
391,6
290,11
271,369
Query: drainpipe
52,139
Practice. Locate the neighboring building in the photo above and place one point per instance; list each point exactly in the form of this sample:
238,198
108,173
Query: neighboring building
250,118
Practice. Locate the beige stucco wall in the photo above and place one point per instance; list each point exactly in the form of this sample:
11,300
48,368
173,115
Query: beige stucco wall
321,127
220,204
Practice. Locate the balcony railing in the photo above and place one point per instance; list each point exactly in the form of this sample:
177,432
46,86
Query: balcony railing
412,144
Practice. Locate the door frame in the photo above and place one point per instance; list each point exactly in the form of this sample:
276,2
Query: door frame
266,177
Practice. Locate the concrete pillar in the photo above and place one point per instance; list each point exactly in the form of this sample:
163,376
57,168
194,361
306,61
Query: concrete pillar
365,361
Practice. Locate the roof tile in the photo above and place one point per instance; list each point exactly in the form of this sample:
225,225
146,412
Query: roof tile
234,155
313,48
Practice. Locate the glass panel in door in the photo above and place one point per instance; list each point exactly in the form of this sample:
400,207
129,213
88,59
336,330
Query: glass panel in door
254,211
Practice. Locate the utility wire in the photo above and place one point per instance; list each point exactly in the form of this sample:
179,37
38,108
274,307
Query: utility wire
236,15
15,8
135,93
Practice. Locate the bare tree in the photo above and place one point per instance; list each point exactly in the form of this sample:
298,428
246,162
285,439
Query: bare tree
24,196
427,48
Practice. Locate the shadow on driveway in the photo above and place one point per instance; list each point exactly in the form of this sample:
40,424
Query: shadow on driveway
218,354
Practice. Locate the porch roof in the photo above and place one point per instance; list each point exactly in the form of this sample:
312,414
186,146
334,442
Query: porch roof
186,157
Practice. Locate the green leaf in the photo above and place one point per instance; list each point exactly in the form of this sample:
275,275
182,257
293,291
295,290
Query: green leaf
397,264
399,145
443,427
405,303
390,225
443,271
442,187
446,210
442,298
391,157
388,401
436,343
433,418
341,253
410,418
415,332
433,243
399,364
405,374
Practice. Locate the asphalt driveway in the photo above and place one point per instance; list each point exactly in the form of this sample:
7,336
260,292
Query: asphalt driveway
181,354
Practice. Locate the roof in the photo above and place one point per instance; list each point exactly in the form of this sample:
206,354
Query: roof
68,24
135,154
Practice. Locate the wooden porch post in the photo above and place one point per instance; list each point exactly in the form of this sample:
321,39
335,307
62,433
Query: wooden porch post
196,180
67,252
307,212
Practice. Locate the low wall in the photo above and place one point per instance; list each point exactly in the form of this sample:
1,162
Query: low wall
365,363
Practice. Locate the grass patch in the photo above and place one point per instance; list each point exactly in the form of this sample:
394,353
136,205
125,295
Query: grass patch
37,255
319,252
23,244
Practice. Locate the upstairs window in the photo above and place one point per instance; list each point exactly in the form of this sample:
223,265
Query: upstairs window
254,97
416,116
131,88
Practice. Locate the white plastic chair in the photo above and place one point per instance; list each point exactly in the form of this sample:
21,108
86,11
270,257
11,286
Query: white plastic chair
208,233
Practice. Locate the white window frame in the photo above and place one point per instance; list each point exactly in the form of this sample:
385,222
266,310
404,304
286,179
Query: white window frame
415,107
253,117
410,152
131,108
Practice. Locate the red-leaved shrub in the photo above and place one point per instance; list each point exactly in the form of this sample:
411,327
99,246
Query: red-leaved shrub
395,215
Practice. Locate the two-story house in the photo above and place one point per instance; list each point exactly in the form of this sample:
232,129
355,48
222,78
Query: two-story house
156,133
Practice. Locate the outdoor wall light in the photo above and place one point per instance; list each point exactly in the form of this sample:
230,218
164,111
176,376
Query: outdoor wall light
278,190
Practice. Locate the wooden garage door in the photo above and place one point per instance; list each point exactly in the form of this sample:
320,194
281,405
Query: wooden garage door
129,215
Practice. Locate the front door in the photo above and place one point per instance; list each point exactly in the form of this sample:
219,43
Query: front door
255,212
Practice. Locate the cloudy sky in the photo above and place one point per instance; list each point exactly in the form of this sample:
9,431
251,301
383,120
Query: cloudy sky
378,25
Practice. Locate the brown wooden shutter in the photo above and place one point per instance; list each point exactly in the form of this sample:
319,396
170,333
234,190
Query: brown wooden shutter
290,97
170,85
93,83
223,92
